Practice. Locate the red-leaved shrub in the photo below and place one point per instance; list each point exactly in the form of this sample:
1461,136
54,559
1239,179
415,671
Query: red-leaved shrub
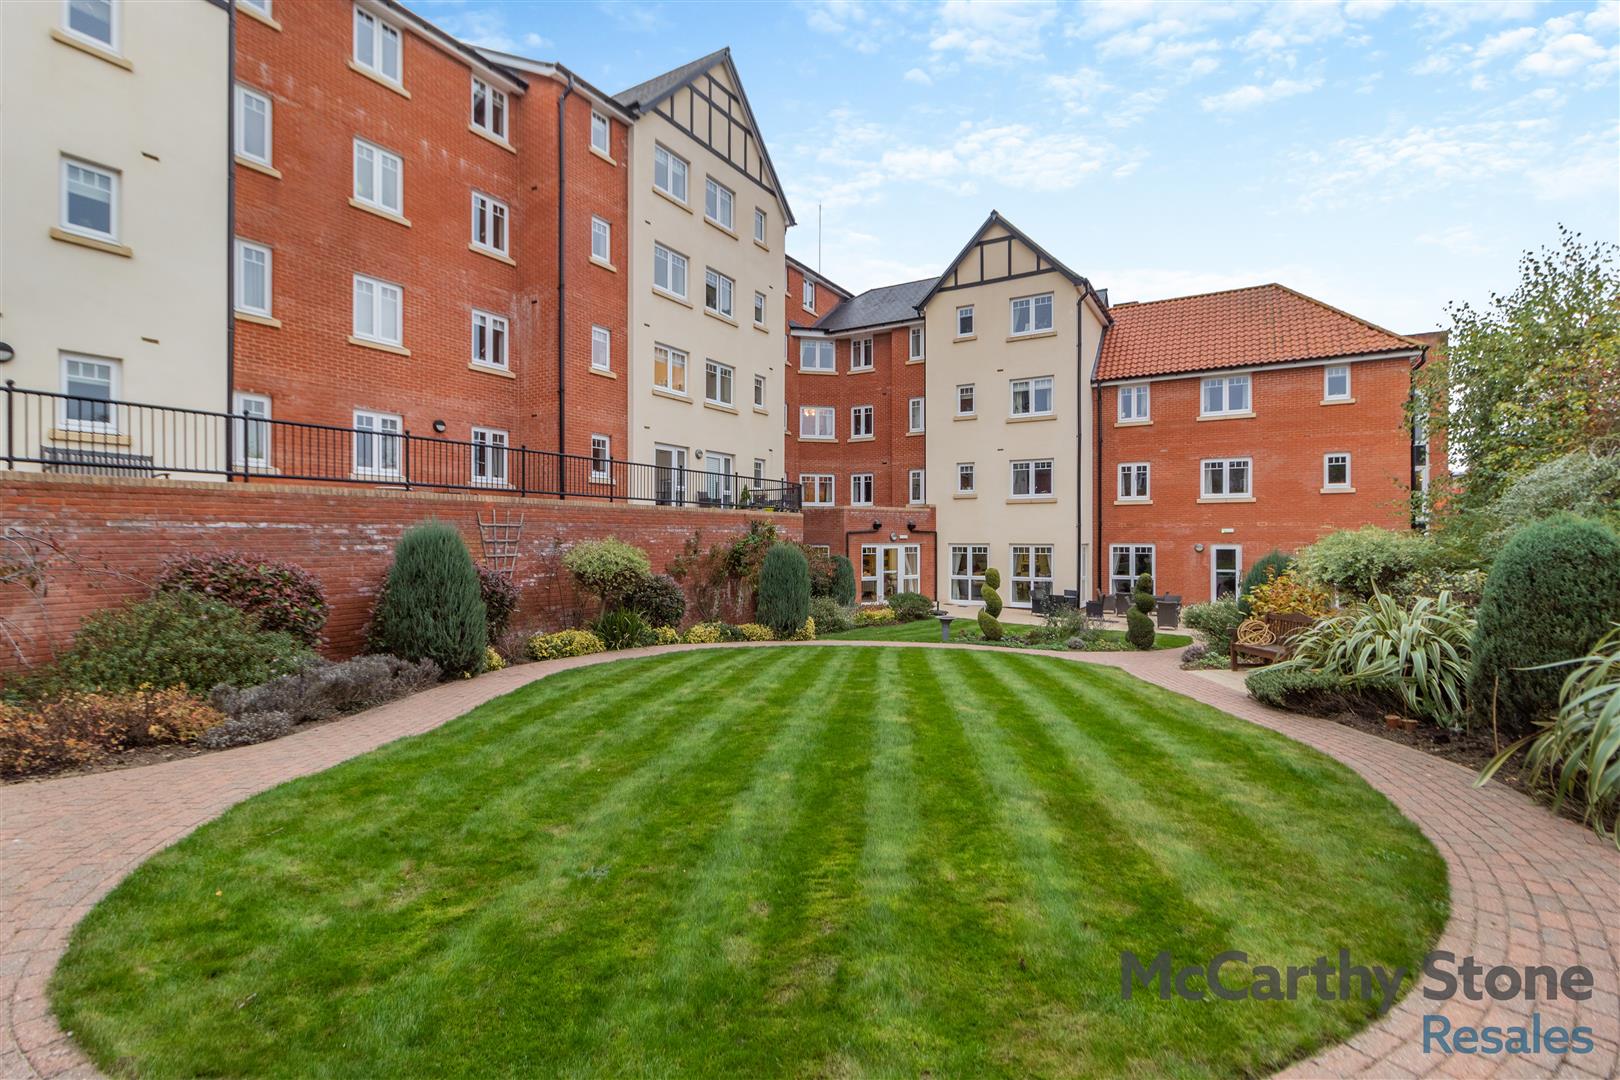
280,595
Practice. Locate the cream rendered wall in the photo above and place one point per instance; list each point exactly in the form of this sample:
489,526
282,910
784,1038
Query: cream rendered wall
161,122
993,439
744,431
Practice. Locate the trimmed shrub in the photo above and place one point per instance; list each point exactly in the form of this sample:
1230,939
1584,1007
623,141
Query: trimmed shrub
622,628
431,607
500,596
1301,689
173,639
78,728
1217,620
565,643
1551,594
607,569
707,633
911,606
874,615
493,660
665,635
246,730
659,599
1289,593
843,589
784,589
831,617
989,625
753,631
1139,629
1359,562
1266,568
806,632
280,595
321,689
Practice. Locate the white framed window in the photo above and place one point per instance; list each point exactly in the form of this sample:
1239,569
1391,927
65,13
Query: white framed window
1227,478
964,321
759,226
808,296
719,203
1135,402
818,422
1336,471
489,456
489,333
669,173
916,410
489,218
601,348
1032,397
1224,395
860,489
95,21
968,563
261,6
818,488
1032,479
379,177
252,125
601,134
1135,481
377,443
1031,567
759,392
1336,383
860,422
1125,563
759,471
759,309
601,456
601,240
89,200
717,382
916,352
964,400
92,383
860,354
1032,314
1225,570
252,278
916,491
669,271
251,442
376,45
816,355
717,292
825,549
378,310
488,108
669,369
965,478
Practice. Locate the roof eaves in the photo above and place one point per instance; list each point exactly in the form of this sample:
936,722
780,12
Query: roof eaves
555,70
819,276
454,44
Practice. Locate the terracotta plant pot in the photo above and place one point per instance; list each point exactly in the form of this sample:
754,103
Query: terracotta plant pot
1397,722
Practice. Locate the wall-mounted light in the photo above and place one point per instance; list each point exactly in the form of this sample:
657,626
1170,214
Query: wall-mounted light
439,426
7,353
877,526
1198,547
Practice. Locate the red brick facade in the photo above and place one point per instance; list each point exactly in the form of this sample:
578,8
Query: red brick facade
846,530
119,532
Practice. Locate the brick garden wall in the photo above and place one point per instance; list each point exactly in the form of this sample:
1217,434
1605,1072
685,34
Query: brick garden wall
120,531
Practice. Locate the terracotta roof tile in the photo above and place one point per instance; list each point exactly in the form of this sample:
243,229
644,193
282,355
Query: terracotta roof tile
1263,324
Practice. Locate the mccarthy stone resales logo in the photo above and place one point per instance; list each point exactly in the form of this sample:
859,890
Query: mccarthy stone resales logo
1229,976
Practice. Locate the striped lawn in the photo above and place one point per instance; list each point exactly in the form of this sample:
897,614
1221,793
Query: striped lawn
791,861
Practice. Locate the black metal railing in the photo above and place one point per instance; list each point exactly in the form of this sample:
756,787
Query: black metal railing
65,433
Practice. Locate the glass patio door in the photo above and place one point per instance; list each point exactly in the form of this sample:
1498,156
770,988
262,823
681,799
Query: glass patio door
669,467
887,569
1225,570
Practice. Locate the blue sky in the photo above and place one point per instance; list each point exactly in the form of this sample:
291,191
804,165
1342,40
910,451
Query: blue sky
1385,157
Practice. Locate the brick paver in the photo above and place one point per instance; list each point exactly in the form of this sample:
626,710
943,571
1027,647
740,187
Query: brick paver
1526,887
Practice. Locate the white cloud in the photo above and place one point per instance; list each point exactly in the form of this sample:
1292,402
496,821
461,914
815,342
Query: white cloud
485,27
1449,17
985,32
864,27
1079,88
1247,97
532,40
1569,54
1457,239
1293,23
1508,41
1586,168
918,76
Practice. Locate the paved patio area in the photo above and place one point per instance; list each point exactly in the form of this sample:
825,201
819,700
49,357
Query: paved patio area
1526,888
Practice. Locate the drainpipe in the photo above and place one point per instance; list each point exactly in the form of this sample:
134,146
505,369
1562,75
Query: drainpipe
230,245
1081,379
562,275
1097,482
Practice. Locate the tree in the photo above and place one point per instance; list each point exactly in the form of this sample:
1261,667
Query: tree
784,589
431,607
1534,376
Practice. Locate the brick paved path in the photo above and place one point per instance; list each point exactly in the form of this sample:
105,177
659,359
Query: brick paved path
1526,887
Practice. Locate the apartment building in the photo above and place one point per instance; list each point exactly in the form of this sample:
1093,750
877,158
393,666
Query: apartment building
114,218
705,274
1238,423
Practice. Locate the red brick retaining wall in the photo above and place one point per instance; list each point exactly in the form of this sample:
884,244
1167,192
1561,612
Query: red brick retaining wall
115,533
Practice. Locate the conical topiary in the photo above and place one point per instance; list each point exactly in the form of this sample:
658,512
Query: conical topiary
989,625
1139,619
843,581
432,607
784,589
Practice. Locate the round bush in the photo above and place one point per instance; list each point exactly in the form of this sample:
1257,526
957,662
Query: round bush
1217,620
432,608
565,643
843,589
831,617
911,606
659,599
280,595
1551,594
607,569
1358,561
784,589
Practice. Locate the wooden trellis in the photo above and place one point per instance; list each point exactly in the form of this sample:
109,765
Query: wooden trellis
501,540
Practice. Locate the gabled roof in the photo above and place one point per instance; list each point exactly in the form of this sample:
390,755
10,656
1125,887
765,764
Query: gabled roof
642,97
1262,324
995,218
877,307
816,275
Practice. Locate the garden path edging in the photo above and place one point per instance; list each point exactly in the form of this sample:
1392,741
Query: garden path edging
1526,887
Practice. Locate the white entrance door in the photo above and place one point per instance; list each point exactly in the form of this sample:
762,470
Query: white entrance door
887,569
1225,570
669,467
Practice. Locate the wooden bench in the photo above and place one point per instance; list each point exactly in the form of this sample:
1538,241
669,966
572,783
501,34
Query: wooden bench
1267,639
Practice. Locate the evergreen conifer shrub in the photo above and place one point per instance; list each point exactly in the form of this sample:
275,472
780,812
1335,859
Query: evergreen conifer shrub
784,589
432,607
843,589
